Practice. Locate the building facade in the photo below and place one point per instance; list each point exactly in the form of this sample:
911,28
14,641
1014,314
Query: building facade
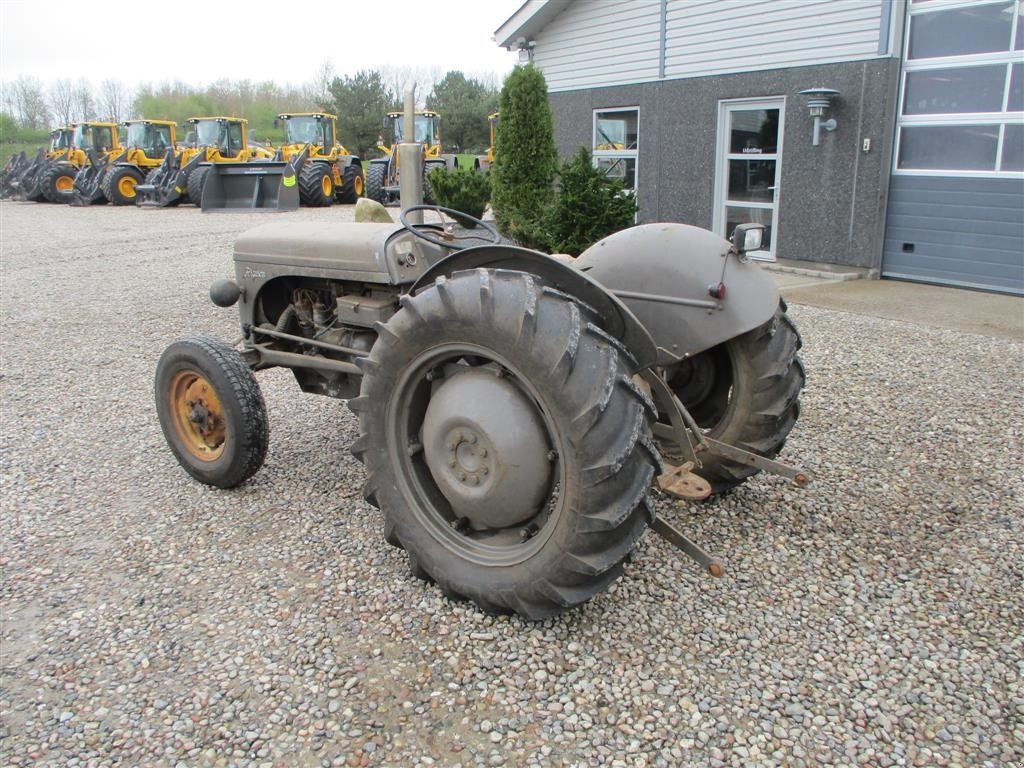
913,167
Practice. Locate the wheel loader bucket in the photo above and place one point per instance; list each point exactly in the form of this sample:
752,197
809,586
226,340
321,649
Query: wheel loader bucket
27,185
165,188
86,189
262,186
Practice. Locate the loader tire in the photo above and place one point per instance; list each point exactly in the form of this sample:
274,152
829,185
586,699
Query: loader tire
195,184
211,411
428,191
119,184
316,185
745,392
375,181
351,184
505,443
57,181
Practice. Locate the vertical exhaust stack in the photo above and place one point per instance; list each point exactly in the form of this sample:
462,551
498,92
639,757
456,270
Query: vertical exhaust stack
410,159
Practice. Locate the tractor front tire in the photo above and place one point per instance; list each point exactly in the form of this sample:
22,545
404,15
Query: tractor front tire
505,443
375,181
316,185
119,184
745,392
195,184
211,411
351,184
58,180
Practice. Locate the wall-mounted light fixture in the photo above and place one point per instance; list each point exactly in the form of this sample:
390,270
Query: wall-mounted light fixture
525,49
818,100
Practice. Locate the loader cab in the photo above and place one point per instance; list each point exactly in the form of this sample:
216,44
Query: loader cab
152,137
60,139
102,136
224,135
426,127
315,128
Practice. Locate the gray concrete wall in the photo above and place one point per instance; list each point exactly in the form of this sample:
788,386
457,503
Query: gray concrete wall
832,202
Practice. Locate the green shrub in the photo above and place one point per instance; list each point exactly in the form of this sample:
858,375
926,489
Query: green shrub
525,159
462,189
588,206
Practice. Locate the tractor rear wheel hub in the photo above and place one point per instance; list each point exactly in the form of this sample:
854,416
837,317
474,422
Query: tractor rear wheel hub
486,447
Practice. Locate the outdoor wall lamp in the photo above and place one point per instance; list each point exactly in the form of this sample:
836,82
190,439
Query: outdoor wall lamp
525,49
818,100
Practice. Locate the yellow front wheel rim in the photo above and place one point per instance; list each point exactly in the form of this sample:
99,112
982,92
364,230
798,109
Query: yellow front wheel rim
326,186
357,185
64,183
126,186
198,415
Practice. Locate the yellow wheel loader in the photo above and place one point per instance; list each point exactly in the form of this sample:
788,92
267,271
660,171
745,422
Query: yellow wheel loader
54,179
325,169
20,174
383,174
115,179
211,141
483,162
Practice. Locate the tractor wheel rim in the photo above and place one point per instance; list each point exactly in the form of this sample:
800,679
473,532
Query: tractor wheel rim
357,185
198,415
326,186
64,183
126,186
507,536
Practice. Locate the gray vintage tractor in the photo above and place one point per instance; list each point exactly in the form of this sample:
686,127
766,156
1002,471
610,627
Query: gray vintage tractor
514,410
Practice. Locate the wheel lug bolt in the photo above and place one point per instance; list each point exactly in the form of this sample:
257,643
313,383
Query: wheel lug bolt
471,439
484,471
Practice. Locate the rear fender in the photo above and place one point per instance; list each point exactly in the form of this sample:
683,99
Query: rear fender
617,319
664,273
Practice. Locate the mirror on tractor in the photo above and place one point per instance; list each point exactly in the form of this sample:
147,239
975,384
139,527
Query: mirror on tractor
747,237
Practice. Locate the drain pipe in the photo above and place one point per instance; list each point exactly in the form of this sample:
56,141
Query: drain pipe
410,159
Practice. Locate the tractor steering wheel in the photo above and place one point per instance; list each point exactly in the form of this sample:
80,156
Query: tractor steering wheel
443,238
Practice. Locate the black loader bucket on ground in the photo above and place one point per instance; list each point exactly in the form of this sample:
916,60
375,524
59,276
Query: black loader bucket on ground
28,185
163,186
86,189
12,171
259,186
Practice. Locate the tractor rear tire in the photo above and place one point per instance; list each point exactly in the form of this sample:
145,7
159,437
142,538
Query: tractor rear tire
532,520
211,411
745,392
316,185
119,184
195,184
375,181
57,180
351,184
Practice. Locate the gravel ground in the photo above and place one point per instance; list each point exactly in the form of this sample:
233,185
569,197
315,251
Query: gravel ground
874,618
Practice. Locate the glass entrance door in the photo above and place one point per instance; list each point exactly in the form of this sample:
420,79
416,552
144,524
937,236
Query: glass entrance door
749,168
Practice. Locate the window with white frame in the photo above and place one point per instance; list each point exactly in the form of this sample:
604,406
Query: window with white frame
617,142
962,99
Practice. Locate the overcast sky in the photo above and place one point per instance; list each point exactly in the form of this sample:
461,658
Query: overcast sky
286,42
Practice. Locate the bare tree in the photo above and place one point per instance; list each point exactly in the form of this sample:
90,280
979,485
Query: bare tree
397,77
62,101
115,100
85,105
29,101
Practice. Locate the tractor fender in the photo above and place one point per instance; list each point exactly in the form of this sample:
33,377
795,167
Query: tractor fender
668,275
617,319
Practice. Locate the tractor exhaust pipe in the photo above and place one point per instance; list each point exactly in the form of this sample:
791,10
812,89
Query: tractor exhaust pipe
410,160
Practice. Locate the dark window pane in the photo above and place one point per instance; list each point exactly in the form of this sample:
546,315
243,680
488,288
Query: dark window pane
949,147
948,91
959,31
754,131
622,168
735,215
1013,148
752,180
1016,102
616,130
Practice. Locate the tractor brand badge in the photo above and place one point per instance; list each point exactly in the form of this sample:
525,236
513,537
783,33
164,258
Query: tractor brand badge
254,274
288,181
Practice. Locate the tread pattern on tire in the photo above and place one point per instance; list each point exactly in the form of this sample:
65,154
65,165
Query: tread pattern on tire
375,181
110,181
347,192
196,182
763,422
604,417
311,191
49,189
253,439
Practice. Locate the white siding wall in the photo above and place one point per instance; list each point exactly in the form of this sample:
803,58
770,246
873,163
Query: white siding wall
601,42
615,42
